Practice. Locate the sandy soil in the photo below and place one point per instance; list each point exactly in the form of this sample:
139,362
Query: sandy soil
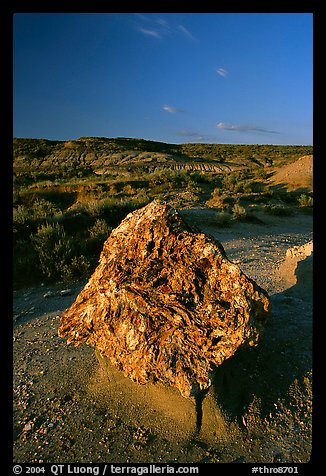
68,407
297,175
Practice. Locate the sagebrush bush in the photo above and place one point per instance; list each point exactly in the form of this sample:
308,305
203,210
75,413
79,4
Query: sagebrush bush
192,186
20,215
235,182
218,199
78,267
305,200
41,209
239,212
93,208
100,230
54,250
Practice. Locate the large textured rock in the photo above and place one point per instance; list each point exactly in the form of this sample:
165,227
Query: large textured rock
165,304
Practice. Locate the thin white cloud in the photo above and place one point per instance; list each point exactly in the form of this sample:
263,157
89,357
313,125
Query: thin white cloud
163,23
243,128
186,32
228,127
222,72
171,109
159,27
150,32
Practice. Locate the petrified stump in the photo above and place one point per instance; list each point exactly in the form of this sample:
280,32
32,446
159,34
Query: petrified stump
165,304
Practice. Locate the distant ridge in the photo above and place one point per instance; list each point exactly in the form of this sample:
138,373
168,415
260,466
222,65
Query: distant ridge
101,154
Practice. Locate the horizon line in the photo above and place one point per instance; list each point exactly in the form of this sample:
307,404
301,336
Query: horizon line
160,141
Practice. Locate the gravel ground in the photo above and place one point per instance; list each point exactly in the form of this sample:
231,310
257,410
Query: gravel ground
259,409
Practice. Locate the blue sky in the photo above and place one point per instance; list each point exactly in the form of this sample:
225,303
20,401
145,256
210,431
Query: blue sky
237,78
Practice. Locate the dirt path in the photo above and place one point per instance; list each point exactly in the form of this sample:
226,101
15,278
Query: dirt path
259,409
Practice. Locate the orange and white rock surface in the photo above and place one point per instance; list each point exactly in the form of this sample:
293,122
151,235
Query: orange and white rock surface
165,303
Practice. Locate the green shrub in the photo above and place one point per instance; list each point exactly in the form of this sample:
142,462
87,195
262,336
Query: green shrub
58,257
218,199
305,200
237,182
78,267
193,187
21,215
42,209
100,230
92,208
54,250
229,182
239,212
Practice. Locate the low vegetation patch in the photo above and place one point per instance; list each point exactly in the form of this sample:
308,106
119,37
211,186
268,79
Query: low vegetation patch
305,201
278,210
64,209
